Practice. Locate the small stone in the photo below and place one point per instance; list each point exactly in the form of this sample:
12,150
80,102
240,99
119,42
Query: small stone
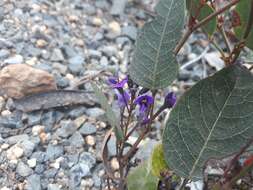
39,156
23,170
51,173
5,146
76,140
130,31
67,128
2,103
28,147
97,21
118,7
80,120
37,129
17,139
76,64
115,27
87,158
95,54
77,172
88,129
40,168
77,112
33,182
34,118
54,152
6,113
32,162
57,55
5,188
4,53
60,67
104,61
53,187
90,140
14,152
115,164
16,59
19,80
40,43
95,112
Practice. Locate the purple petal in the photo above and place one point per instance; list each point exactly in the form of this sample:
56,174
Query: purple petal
112,80
118,84
123,99
170,99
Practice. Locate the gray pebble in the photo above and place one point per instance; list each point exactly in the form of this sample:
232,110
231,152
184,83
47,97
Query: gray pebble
76,140
77,172
16,139
17,59
88,129
130,31
53,187
28,147
77,112
67,128
39,156
4,53
33,182
50,173
95,54
23,170
54,151
57,55
95,112
87,158
40,168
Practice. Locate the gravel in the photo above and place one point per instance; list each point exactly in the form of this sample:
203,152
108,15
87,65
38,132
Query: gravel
60,148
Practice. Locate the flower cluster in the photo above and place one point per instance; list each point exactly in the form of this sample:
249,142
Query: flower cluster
144,101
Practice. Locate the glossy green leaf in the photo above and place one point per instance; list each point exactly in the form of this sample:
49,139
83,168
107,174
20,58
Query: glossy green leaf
111,117
158,161
200,13
212,120
243,9
154,64
142,178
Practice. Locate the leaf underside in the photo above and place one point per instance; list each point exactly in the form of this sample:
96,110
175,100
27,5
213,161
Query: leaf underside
154,65
212,120
142,178
243,8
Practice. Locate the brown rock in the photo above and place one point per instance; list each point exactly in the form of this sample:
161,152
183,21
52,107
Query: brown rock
19,80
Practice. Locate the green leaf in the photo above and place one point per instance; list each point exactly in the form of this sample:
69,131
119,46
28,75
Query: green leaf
213,119
111,117
154,65
243,9
200,13
142,178
158,161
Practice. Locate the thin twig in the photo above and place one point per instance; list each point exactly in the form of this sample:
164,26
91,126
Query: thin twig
201,23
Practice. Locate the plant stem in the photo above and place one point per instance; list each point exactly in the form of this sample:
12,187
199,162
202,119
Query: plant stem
201,23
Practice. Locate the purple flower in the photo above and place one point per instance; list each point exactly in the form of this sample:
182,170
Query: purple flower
170,100
144,102
123,98
116,83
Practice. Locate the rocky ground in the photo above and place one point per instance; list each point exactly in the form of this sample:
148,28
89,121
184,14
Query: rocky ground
70,39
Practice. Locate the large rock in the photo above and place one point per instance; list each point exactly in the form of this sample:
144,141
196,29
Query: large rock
20,80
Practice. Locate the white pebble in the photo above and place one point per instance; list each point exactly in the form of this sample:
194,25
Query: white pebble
32,162
14,152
